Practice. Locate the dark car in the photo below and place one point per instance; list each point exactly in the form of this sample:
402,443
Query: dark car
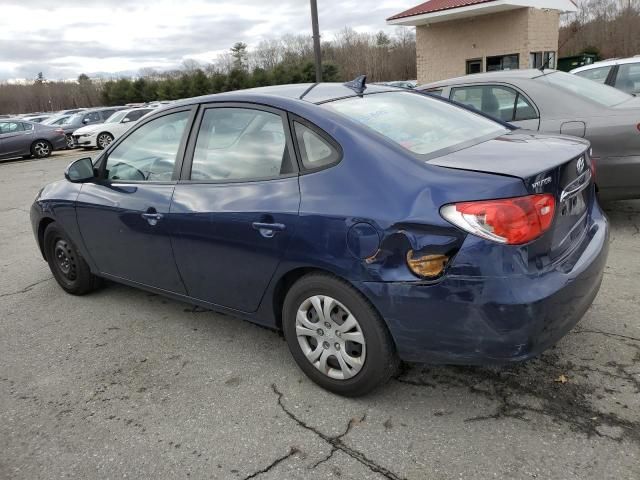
369,224
20,138
84,118
556,102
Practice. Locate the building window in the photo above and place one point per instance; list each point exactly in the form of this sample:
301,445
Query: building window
538,59
474,66
503,62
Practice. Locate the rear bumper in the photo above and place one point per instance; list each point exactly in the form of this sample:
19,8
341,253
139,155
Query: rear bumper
59,142
485,320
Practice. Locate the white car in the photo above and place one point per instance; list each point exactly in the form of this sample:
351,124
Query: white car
620,73
101,135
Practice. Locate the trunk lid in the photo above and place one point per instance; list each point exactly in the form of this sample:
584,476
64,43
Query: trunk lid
546,164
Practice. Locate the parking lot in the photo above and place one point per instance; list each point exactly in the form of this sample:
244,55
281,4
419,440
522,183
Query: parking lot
127,384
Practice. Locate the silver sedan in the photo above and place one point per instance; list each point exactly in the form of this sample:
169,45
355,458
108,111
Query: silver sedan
556,102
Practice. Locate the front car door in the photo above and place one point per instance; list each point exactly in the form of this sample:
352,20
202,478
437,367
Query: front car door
236,209
123,217
501,102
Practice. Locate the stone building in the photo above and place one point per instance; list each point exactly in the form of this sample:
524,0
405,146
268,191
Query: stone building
458,37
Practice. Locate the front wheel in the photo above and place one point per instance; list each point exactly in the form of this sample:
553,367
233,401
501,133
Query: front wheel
104,140
70,144
336,336
69,269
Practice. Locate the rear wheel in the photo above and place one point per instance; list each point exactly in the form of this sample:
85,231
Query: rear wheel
104,140
69,269
41,149
336,336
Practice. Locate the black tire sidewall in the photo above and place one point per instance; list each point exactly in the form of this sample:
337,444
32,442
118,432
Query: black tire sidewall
380,361
85,281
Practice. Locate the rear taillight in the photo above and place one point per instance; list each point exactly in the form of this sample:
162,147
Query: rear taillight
513,221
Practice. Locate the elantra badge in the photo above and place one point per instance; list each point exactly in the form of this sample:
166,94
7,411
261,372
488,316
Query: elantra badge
580,165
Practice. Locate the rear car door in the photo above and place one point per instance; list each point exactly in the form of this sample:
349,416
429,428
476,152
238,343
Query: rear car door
501,102
236,209
14,140
123,218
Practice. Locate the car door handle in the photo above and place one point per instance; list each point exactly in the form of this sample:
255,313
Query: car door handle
152,218
268,230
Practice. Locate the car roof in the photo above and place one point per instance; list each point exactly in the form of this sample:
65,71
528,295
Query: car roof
607,63
500,75
316,93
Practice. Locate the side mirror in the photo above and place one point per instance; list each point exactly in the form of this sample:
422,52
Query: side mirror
126,120
80,171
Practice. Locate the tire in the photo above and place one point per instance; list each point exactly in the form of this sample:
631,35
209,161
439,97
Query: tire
69,269
372,358
41,149
103,140
70,143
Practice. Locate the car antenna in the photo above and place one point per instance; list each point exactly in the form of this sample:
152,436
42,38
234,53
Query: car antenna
359,85
545,64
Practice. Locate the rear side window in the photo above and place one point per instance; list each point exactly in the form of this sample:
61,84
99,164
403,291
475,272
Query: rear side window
316,152
10,127
599,74
236,144
629,78
500,102
27,127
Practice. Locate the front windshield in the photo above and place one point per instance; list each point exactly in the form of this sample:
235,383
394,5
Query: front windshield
421,124
116,117
597,92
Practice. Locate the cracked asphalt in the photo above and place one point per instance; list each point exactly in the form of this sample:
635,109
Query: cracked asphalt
125,384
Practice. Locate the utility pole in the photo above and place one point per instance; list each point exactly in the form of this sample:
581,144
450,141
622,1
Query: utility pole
316,40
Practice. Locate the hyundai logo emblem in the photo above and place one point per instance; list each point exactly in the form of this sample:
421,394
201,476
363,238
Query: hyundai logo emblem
580,165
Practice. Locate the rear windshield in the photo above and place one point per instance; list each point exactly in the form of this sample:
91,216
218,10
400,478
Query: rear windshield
585,88
422,125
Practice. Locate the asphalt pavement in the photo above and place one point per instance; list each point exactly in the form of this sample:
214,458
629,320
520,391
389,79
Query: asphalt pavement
127,384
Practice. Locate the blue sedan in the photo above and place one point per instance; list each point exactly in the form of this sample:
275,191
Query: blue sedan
369,224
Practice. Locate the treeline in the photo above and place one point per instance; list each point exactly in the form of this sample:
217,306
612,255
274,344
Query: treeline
287,59
608,28
45,96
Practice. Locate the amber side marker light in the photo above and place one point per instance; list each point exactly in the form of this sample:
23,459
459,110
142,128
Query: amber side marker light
426,266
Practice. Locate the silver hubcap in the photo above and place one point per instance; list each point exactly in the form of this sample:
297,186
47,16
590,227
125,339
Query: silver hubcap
104,140
69,141
330,337
41,149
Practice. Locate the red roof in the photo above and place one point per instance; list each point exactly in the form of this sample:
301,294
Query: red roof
437,6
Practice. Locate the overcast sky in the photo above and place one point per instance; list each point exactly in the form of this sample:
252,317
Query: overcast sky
64,38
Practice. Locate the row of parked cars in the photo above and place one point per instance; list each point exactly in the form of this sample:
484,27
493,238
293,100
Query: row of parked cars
39,135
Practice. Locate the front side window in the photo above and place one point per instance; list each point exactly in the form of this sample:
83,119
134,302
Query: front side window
236,144
93,117
421,124
602,94
135,115
149,153
599,74
629,78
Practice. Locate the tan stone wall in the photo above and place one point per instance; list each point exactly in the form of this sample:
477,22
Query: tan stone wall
443,48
